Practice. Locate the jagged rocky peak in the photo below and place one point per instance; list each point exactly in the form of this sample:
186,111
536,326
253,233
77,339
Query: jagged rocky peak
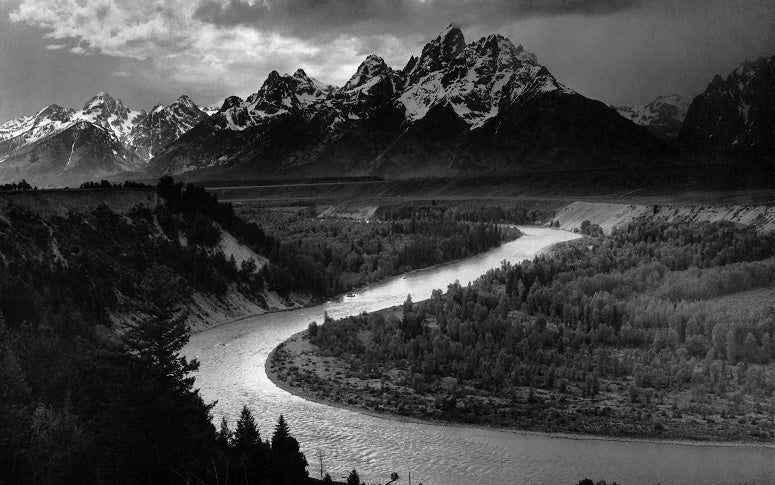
736,113
475,80
105,103
276,92
500,48
231,102
449,43
438,53
371,67
55,112
184,100
110,113
662,116
309,89
273,81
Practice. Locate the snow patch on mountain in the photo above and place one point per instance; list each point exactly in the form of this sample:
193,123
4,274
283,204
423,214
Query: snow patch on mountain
662,116
476,80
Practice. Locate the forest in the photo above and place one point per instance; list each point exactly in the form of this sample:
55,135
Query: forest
327,257
649,313
16,186
83,400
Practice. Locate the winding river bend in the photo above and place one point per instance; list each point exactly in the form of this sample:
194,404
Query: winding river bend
232,358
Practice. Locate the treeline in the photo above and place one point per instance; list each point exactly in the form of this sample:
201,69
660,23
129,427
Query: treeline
82,401
16,186
105,184
97,261
637,308
328,257
491,214
332,256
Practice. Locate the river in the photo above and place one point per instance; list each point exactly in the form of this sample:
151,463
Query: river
232,358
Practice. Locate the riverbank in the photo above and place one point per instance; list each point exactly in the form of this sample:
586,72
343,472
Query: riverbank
233,359
363,382
298,367
208,311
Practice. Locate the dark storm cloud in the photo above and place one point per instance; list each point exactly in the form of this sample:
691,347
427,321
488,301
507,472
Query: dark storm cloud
323,18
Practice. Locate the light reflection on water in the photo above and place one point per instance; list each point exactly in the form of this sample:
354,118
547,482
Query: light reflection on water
232,361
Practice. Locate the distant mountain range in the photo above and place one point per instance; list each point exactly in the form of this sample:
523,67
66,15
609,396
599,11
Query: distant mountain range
62,145
663,116
485,107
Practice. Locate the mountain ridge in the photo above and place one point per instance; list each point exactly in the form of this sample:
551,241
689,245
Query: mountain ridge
373,125
735,116
455,109
104,138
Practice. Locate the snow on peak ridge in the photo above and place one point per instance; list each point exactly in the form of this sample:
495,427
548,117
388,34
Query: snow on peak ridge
371,67
476,80
438,53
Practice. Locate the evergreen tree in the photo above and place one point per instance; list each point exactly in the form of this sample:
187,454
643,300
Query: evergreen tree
249,449
157,428
289,465
281,434
159,339
353,478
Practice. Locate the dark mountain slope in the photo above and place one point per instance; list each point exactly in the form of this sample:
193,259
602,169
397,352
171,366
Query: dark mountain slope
735,117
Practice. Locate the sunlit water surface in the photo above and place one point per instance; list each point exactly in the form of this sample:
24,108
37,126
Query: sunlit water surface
232,358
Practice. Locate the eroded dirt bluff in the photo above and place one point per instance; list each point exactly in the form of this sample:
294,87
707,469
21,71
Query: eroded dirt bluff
609,215
48,203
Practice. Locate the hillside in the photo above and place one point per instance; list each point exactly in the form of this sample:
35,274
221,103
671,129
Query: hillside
114,238
611,215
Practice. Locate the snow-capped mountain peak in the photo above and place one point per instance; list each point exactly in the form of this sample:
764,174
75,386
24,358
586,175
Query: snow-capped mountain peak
184,100
109,113
103,137
309,90
438,53
475,80
662,116
454,106
164,124
28,129
371,67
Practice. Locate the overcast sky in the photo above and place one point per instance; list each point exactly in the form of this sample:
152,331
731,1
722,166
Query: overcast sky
151,51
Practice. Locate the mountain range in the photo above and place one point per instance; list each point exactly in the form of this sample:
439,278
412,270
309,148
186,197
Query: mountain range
62,145
457,108
663,116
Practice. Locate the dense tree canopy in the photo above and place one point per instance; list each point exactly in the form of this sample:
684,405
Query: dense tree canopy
646,305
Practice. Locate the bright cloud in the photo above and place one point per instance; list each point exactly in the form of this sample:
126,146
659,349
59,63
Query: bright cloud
215,48
170,43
